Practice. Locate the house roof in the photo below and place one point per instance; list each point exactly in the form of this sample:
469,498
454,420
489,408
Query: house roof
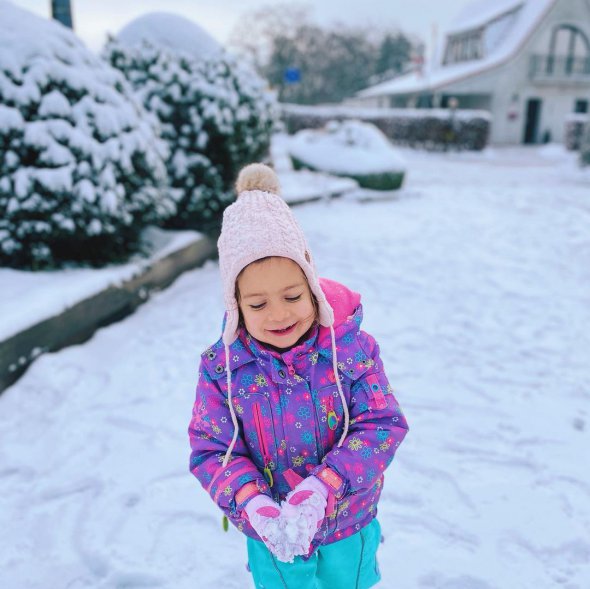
479,13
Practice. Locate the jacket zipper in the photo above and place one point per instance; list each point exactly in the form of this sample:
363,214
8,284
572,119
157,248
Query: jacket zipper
263,448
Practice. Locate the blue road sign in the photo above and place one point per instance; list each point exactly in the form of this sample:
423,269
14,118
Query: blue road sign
292,75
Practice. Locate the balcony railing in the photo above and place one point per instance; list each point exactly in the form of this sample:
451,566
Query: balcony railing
559,68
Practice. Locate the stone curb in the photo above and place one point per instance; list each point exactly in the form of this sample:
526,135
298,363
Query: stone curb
79,322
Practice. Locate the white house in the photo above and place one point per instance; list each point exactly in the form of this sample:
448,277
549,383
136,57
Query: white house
525,61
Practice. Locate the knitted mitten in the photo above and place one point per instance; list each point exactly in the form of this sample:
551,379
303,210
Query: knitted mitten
303,511
263,514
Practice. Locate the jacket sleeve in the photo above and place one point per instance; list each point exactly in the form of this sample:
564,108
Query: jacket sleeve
376,429
210,433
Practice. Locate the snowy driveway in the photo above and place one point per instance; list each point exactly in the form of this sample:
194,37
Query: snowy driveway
476,283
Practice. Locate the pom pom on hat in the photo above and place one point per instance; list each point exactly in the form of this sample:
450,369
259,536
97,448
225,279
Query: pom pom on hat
258,177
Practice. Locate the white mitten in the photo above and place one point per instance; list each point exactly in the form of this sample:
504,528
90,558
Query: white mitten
265,516
303,512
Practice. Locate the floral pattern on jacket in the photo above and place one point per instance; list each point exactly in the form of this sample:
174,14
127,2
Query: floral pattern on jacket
291,418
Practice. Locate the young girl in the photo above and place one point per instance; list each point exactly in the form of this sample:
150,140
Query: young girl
294,420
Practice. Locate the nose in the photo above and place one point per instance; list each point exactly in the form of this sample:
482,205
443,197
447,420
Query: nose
278,313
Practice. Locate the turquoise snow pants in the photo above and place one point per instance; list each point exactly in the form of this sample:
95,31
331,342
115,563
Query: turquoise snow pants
346,564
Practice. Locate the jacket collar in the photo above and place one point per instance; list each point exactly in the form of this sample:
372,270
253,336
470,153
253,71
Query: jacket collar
348,313
246,349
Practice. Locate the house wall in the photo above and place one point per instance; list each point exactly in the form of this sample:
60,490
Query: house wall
506,90
558,96
511,86
476,101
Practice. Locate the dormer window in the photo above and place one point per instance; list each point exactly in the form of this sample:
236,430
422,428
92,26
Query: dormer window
477,43
464,47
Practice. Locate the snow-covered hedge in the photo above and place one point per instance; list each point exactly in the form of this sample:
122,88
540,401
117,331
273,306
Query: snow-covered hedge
215,114
574,130
352,149
423,128
81,170
585,146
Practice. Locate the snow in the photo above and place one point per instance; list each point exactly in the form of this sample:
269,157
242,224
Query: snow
31,38
54,104
338,111
10,118
579,117
554,151
475,282
171,31
305,185
347,147
57,180
480,12
497,31
27,298
436,76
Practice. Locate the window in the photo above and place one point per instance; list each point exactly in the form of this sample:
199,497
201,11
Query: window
480,42
569,51
463,47
581,106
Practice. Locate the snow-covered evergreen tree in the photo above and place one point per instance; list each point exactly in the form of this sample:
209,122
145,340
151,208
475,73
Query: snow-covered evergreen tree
215,113
81,168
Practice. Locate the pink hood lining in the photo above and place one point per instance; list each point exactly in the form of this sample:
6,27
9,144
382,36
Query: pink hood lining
342,300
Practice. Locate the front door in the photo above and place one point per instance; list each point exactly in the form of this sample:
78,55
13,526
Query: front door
533,116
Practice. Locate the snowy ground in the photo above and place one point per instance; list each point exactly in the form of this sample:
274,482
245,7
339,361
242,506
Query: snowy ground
27,298
476,282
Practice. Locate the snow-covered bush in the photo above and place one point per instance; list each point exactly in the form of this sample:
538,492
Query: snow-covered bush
352,149
215,113
433,129
575,124
81,170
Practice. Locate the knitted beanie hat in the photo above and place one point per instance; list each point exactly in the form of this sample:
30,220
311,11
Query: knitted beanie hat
261,224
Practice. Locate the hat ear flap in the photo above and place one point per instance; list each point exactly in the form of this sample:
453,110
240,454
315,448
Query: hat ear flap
230,331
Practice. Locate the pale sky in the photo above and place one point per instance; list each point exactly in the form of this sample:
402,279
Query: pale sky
94,18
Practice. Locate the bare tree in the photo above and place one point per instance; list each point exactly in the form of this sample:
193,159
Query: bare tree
253,36
310,64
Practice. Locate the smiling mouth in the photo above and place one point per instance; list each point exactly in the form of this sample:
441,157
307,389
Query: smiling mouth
283,331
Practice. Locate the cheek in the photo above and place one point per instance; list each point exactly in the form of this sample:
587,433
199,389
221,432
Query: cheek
307,310
251,319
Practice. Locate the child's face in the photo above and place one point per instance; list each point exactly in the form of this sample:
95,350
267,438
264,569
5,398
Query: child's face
275,301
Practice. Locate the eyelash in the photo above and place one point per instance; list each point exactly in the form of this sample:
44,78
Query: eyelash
290,299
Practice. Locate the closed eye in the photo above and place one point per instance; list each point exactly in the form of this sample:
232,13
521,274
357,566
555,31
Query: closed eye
288,299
